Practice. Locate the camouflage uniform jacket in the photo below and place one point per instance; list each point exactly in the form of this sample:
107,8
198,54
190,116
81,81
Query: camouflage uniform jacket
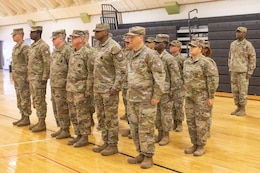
20,60
79,69
172,73
146,75
109,66
242,57
180,59
200,75
59,66
39,61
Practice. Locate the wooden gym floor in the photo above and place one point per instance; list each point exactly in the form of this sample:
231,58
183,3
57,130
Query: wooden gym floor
232,148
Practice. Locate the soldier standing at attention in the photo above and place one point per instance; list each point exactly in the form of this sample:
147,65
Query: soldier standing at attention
241,63
78,89
109,72
38,74
92,107
146,77
172,83
20,73
126,52
58,75
200,76
178,103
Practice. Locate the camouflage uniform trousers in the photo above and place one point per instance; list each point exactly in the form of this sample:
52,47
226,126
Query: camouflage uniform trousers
23,94
59,99
107,115
38,92
239,87
124,93
142,120
178,105
79,112
198,117
164,114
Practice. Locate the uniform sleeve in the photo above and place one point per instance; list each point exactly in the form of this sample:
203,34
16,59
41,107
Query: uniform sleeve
45,53
251,59
174,72
90,78
156,66
212,77
120,66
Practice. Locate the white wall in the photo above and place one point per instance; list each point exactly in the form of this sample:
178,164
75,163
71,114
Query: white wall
211,9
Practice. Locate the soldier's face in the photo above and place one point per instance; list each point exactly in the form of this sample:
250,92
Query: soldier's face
194,50
174,49
99,35
76,41
134,40
33,35
159,46
240,35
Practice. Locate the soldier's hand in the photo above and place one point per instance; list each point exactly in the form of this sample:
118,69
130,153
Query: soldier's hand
113,91
87,94
210,102
154,101
248,76
27,80
44,82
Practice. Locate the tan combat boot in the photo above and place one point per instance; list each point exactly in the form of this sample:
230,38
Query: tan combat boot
179,127
191,149
32,126
98,149
123,117
159,137
241,112
25,122
65,133
199,151
16,122
235,111
147,162
165,139
74,140
41,126
82,142
110,150
56,133
136,160
125,132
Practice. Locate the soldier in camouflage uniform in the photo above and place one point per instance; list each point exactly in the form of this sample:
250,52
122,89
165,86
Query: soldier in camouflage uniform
79,88
149,42
109,71
20,74
58,74
172,83
206,51
178,103
126,52
38,74
146,77
92,107
241,63
199,75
